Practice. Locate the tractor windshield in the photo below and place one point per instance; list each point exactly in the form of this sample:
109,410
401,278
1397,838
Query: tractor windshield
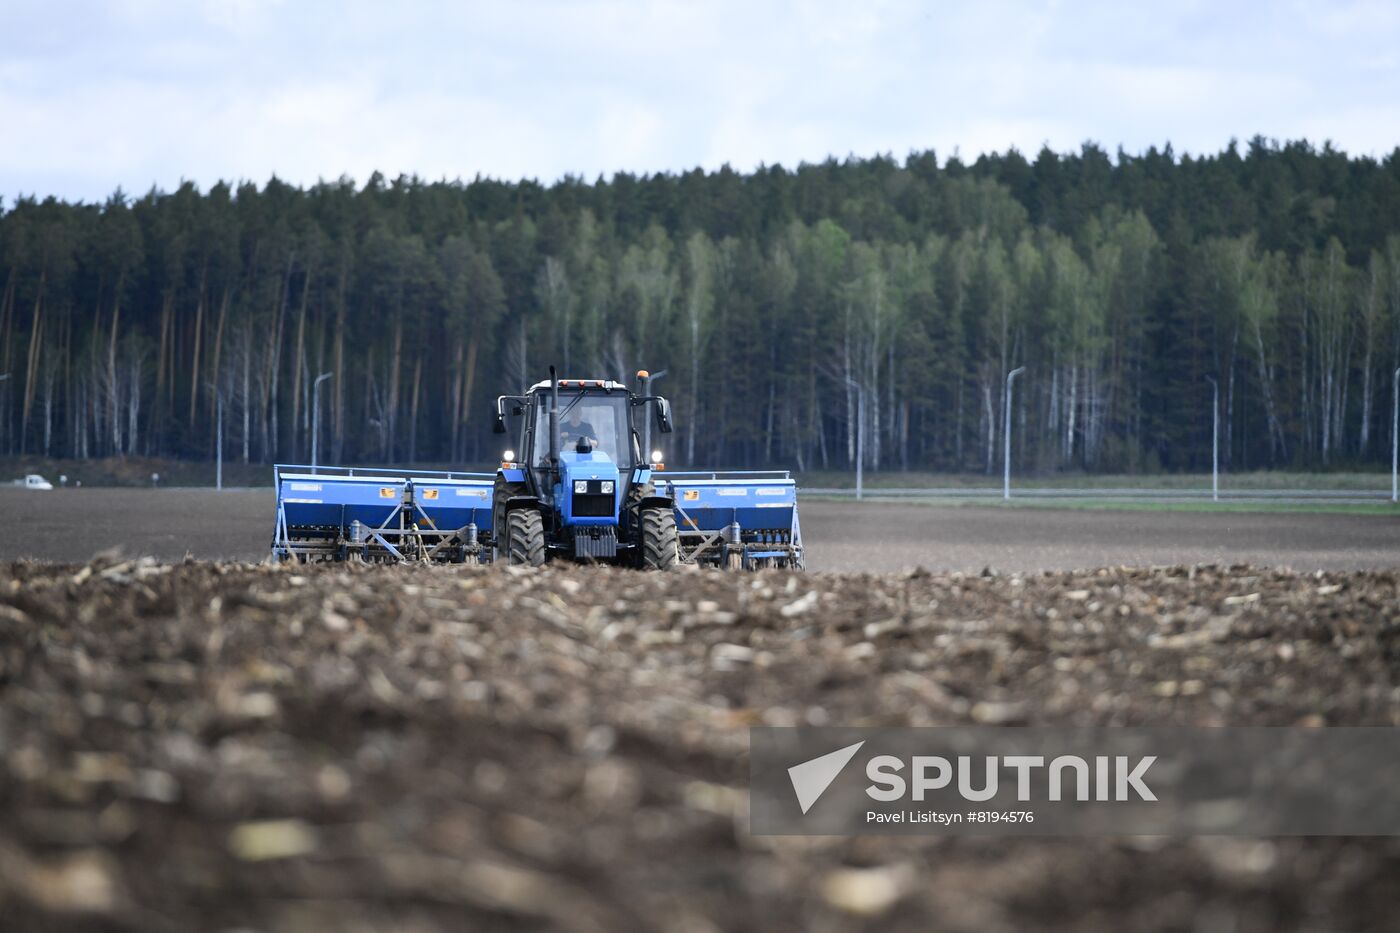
601,419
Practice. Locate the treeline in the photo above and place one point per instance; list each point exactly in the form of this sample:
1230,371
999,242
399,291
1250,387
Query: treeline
778,301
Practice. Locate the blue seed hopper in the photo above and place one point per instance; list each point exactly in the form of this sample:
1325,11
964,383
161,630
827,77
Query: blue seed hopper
335,513
737,520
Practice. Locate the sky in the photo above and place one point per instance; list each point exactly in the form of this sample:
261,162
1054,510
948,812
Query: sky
142,93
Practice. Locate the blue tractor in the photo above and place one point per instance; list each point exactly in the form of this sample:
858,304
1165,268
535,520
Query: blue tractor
579,484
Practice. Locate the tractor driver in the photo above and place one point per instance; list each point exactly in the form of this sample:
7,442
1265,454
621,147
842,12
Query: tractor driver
575,429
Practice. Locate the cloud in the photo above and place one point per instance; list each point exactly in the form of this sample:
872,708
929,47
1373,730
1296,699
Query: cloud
150,92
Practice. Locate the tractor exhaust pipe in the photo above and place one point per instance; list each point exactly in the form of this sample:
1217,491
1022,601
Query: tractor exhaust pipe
554,421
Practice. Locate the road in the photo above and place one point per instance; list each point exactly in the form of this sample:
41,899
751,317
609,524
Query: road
1141,494
875,536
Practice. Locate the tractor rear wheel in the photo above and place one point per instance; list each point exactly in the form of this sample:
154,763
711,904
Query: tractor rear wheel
500,533
525,534
636,493
659,547
632,503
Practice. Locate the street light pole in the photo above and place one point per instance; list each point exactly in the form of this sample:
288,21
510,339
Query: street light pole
1214,440
1395,436
860,442
4,376
218,435
1006,467
647,380
316,415
860,437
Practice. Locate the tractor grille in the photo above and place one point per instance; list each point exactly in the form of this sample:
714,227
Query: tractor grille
593,505
595,542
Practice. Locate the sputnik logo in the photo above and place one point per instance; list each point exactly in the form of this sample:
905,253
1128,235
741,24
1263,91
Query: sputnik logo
811,778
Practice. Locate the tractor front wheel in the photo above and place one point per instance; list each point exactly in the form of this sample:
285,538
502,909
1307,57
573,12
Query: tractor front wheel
525,534
659,547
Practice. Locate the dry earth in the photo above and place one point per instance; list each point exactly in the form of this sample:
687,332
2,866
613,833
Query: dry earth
220,746
74,524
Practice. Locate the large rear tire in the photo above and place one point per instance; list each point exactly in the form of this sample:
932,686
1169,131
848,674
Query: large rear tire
500,533
636,493
632,504
660,550
525,538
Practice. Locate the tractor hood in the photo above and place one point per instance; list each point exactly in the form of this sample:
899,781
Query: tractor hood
589,490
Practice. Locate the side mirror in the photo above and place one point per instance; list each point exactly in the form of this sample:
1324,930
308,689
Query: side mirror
499,427
663,415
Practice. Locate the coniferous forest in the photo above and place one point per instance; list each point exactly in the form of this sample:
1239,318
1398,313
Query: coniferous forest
778,302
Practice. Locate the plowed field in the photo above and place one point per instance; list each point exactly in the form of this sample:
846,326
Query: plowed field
206,745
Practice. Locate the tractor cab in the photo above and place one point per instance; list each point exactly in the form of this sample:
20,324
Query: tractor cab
579,477
595,434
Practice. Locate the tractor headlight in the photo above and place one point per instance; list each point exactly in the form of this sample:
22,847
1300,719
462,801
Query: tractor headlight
608,486
580,486
508,456
656,456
